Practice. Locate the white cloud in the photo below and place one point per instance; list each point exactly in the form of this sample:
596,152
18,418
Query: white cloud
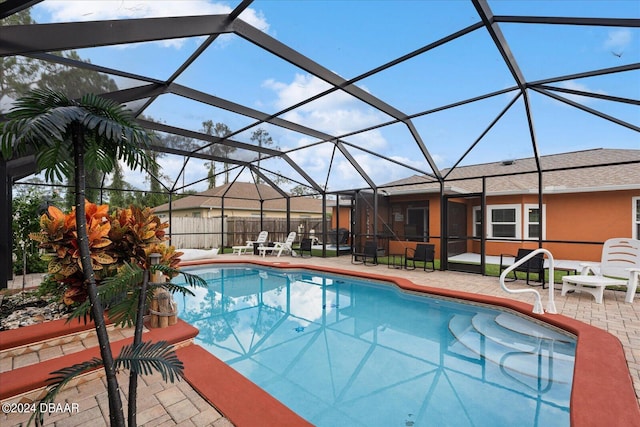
96,10
572,84
618,40
336,114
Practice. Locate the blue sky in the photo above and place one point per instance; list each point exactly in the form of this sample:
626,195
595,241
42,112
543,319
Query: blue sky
352,37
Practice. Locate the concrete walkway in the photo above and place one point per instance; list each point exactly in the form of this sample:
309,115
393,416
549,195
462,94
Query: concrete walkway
178,404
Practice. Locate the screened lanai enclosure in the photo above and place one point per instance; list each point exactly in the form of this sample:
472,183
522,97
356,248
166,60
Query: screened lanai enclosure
464,124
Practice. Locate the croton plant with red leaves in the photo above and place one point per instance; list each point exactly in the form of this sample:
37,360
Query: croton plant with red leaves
127,235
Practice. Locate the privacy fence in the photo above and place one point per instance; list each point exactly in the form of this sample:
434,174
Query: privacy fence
204,233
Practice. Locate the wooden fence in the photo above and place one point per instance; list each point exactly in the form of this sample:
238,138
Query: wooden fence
204,233
196,233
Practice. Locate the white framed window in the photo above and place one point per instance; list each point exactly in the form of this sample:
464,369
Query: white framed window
477,221
503,221
636,217
532,222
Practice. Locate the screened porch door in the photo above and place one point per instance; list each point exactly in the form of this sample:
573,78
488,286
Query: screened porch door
463,251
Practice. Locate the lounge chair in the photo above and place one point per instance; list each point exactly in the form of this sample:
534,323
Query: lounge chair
424,253
279,247
262,238
620,266
369,252
534,265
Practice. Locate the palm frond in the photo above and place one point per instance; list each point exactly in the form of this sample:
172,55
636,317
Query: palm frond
113,293
192,280
124,311
120,294
83,311
149,357
56,160
99,156
59,379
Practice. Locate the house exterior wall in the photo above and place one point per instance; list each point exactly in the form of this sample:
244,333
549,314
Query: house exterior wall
574,217
593,217
345,218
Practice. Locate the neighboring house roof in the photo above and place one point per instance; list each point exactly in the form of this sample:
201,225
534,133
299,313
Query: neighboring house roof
243,196
618,172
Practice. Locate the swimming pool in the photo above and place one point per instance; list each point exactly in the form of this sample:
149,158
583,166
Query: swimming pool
344,351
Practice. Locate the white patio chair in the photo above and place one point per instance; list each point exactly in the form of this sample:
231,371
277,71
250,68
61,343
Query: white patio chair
620,266
279,247
262,238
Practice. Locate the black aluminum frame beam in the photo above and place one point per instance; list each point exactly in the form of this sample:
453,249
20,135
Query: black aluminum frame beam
25,39
487,17
284,52
9,7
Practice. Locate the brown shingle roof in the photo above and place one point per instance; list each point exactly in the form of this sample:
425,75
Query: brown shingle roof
610,176
243,195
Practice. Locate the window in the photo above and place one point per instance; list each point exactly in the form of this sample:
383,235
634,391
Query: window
417,226
196,214
504,221
636,218
532,226
477,221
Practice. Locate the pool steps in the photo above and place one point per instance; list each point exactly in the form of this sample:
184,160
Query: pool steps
505,343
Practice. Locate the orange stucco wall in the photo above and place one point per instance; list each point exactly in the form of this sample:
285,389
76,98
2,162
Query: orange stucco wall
576,217
345,218
587,217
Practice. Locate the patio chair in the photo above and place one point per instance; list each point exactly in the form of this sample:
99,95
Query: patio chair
305,246
619,266
423,252
262,238
279,247
369,252
534,266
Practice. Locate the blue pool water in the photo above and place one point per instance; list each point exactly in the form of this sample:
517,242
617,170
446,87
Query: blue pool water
342,351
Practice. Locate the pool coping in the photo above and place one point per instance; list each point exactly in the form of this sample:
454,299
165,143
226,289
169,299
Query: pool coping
602,390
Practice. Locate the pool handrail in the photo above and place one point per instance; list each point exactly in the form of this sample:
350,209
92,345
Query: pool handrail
537,307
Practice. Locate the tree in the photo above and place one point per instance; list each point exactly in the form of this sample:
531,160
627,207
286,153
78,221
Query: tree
74,82
17,73
67,136
263,139
220,150
26,209
303,190
119,197
155,196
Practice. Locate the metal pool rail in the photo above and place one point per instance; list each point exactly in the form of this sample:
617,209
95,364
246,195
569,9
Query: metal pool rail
537,307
